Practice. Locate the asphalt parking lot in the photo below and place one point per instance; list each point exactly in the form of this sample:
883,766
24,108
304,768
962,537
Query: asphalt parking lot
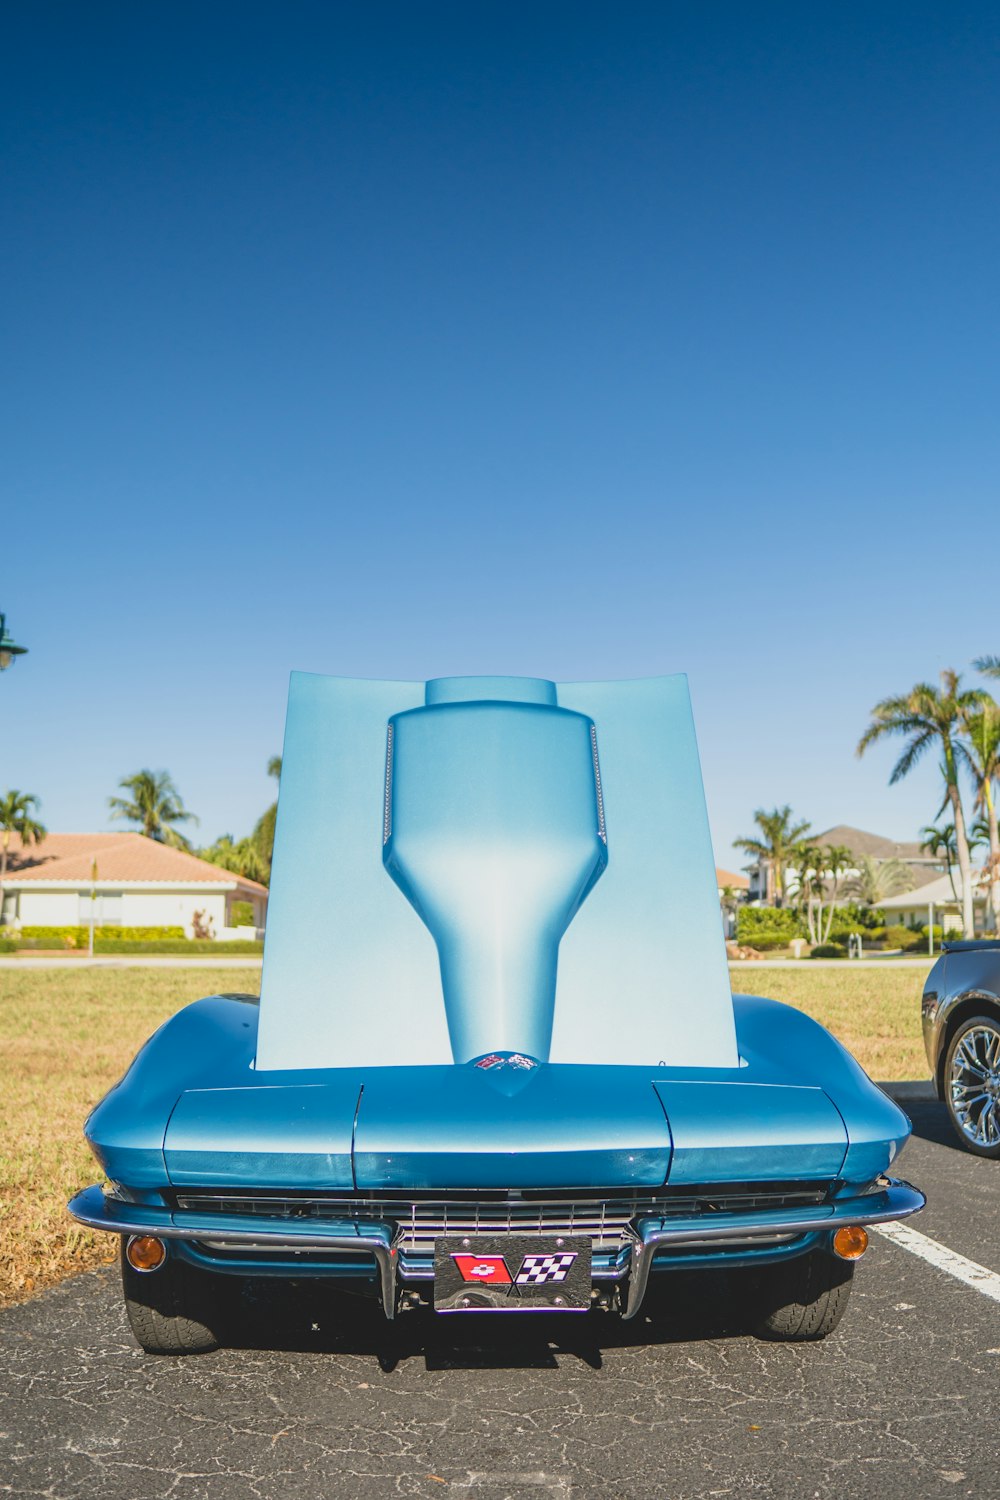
326,1399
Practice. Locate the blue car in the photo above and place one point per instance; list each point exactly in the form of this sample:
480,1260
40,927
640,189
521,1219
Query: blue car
496,1065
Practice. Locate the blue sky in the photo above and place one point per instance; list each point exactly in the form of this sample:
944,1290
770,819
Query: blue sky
573,340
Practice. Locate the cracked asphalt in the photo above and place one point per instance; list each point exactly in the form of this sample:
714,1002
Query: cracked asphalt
322,1398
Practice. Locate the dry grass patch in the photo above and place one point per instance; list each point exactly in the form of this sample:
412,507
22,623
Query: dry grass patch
64,1040
874,1012
65,1037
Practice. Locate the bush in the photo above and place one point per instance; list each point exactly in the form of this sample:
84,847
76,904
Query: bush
854,918
766,927
901,937
829,950
241,914
196,946
8,945
79,937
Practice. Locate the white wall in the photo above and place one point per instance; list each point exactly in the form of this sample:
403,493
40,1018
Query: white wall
138,908
172,908
48,909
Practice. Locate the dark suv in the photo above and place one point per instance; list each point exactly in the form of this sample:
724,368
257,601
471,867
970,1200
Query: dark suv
961,1019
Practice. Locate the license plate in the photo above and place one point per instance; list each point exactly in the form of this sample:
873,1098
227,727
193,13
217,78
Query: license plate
513,1273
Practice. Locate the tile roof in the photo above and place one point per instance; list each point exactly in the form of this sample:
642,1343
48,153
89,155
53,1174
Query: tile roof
861,842
939,891
120,857
729,877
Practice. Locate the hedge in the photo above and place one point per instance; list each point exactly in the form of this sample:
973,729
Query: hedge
199,947
767,927
79,937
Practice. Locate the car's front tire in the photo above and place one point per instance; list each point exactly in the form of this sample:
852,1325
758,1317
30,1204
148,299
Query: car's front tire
972,1085
173,1310
804,1299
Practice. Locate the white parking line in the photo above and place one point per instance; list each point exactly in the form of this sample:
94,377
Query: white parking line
968,1271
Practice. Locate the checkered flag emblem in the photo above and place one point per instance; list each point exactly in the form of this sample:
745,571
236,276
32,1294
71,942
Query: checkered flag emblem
536,1270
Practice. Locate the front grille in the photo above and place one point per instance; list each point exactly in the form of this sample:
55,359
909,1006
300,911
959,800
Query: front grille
421,1219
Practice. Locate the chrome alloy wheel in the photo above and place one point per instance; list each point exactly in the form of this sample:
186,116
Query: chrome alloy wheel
974,1084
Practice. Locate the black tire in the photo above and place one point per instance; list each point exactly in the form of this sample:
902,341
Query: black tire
175,1310
805,1298
961,1083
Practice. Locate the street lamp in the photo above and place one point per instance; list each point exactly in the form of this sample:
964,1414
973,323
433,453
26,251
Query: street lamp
8,647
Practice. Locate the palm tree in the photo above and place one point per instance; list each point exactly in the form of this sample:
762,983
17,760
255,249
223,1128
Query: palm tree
927,716
240,857
941,842
263,834
156,804
729,901
17,816
981,751
819,882
781,836
877,879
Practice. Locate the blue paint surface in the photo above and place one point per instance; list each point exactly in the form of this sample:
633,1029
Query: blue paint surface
799,1107
485,938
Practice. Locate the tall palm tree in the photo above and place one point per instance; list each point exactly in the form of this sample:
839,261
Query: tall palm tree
776,848
17,816
980,749
940,842
821,872
877,879
155,804
926,717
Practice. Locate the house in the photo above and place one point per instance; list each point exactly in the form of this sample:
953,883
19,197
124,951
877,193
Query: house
913,908
738,886
923,867
121,880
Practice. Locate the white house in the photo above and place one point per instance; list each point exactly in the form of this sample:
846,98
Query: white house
914,907
738,886
124,880
921,866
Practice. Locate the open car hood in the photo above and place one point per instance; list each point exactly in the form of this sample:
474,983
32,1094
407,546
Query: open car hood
482,863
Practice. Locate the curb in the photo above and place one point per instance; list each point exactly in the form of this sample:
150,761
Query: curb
910,1088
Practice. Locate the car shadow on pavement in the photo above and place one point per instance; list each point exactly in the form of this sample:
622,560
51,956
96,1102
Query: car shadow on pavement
311,1317
930,1122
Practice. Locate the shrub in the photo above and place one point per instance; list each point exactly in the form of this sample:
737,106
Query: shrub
198,946
901,937
851,917
766,927
829,950
241,914
78,937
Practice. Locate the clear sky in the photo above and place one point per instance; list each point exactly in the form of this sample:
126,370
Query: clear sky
567,339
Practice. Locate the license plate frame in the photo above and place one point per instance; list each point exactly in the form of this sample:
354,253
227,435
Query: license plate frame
554,1272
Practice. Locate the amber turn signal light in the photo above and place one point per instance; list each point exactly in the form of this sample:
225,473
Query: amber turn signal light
146,1253
851,1242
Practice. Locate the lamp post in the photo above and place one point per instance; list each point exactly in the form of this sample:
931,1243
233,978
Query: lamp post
8,647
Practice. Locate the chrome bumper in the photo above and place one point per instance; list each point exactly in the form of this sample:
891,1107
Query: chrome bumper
645,1238
891,1199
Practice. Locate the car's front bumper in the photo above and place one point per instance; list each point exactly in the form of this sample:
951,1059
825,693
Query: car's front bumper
352,1246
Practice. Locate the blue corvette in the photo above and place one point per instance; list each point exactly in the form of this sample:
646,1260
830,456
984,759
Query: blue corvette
496,1065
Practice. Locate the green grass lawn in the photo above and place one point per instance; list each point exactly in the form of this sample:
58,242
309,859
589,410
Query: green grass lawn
874,1012
66,1036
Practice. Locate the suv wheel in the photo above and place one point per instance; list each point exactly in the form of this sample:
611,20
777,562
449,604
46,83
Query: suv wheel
972,1084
